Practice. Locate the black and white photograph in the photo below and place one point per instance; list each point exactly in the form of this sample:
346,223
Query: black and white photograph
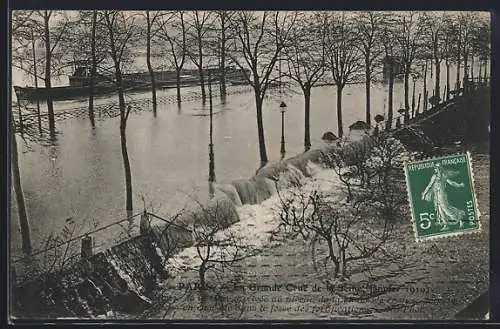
237,165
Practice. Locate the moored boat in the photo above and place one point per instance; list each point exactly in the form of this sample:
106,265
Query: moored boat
80,83
60,93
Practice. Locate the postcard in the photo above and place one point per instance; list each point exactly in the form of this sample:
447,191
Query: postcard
249,165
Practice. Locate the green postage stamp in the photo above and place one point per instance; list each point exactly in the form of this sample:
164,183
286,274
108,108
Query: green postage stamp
441,195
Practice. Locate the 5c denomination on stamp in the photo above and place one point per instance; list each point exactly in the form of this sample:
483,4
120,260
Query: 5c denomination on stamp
441,195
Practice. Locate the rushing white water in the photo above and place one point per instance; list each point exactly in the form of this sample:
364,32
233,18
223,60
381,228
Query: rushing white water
256,221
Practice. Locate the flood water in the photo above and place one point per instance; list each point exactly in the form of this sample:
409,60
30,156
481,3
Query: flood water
81,176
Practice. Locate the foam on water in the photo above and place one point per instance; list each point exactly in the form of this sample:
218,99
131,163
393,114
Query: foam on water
257,221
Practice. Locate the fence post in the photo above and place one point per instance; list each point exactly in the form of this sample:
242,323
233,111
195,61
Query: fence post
86,254
144,223
398,122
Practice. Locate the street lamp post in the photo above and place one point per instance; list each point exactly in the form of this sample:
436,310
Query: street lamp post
283,110
211,164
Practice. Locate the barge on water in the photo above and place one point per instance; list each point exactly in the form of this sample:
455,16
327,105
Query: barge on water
79,83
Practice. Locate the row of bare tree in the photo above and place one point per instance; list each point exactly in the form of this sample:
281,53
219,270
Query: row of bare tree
337,48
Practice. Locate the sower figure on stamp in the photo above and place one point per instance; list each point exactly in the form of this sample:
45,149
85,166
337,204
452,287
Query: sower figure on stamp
436,191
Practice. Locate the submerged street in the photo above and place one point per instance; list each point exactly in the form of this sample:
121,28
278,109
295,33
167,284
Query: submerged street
169,153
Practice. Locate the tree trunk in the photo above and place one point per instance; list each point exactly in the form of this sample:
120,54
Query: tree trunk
466,71
367,87
126,163
343,264
425,87
222,68
466,66
39,116
485,70
204,294
339,111
201,273
331,253
418,104
123,120
200,71
407,92
92,71
148,61
388,124
413,101
458,67
407,86
260,129
480,74
447,79
202,85
438,76
123,138
16,178
48,82
178,85
431,66
307,109
472,67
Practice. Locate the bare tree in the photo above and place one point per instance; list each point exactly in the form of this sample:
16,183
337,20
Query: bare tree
151,32
16,177
38,25
447,51
454,32
51,41
174,31
19,22
368,26
342,226
93,39
258,42
305,54
481,41
466,24
407,33
197,36
93,68
390,50
121,29
224,34
434,27
344,57
356,227
217,250
84,44
24,40
20,19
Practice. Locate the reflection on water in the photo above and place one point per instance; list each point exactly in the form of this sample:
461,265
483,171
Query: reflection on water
82,175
